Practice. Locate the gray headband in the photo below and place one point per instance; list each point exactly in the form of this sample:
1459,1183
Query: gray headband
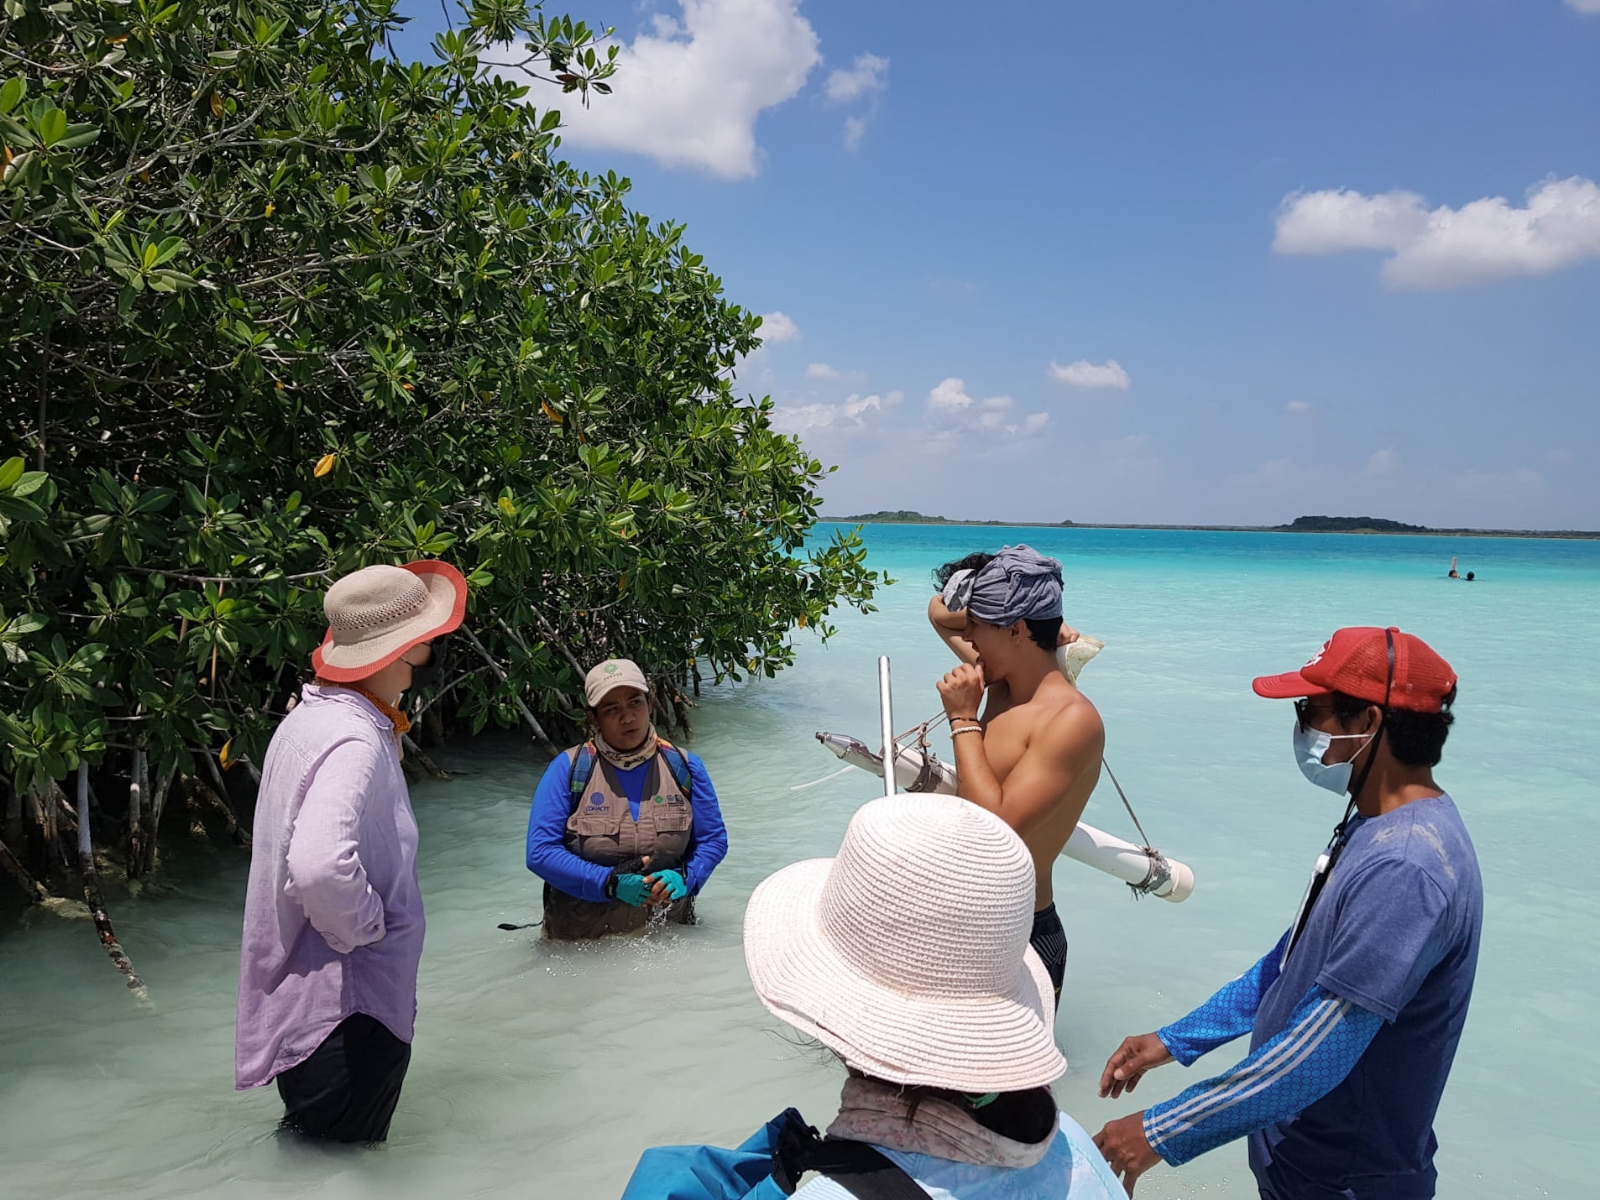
1019,584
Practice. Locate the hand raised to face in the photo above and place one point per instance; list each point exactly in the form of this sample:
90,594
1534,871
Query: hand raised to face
962,689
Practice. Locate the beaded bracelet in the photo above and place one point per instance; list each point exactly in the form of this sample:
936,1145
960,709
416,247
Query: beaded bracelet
956,731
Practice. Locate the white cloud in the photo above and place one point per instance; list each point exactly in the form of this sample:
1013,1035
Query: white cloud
1383,464
949,404
776,327
821,371
689,93
949,396
993,411
1085,374
865,79
1330,222
1298,406
869,73
1447,247
1585,6
846,416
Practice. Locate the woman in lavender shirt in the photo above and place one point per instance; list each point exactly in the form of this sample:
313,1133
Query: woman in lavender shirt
333,919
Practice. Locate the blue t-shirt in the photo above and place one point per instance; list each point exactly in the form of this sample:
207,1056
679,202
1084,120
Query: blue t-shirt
1396,932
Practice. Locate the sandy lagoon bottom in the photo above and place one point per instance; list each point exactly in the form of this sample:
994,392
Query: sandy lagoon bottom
543,1071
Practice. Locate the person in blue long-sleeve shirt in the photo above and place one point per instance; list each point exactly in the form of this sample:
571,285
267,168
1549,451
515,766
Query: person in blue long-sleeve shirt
625,827
1355,1015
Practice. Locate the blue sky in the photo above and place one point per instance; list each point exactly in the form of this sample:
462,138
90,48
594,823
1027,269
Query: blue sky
1143,262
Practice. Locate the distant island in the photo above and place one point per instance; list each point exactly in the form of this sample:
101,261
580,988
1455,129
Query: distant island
1314,524
1349,525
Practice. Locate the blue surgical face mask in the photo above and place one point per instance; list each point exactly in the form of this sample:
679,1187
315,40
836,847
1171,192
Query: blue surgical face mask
1309,747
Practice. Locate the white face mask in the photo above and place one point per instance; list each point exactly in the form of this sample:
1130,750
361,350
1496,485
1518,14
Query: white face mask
1309,747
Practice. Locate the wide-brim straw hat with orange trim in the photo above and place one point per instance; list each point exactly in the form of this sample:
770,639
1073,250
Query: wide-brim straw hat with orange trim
908,954
378,613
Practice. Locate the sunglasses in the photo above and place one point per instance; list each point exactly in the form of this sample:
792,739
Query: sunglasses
1305,712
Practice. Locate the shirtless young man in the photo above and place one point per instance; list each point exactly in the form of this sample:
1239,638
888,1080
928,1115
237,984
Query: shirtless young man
1033,756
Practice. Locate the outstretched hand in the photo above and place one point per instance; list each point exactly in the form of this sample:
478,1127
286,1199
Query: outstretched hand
961,690
1130,1061
1126,1149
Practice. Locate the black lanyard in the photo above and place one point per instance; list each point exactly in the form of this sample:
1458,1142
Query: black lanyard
1319,880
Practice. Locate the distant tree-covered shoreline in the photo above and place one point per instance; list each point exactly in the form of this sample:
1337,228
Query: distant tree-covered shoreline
1350,525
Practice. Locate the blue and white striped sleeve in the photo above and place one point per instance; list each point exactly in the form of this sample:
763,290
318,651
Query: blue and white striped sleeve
1229,1014
1325,1036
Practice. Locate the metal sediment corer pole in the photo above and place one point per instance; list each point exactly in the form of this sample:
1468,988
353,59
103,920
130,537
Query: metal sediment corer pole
886,714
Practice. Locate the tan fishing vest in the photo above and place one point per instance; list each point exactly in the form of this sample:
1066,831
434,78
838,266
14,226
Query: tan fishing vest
602,830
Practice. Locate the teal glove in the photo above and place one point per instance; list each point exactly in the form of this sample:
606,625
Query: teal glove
630,889
676,886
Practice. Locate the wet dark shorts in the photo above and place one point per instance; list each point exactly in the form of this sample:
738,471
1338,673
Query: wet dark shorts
1049,942
347,1090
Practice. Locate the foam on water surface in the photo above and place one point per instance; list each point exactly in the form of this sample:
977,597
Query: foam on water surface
543,1070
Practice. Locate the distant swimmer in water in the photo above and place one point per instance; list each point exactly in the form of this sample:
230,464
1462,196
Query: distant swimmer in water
1453,574
1470,576
1033,755
625,825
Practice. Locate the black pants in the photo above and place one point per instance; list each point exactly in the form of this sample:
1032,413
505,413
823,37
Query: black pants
347,1090
1049,942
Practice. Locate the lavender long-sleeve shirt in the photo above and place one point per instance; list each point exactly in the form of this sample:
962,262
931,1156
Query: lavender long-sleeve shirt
333,920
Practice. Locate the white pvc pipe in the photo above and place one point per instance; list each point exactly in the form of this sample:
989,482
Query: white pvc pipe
886,717
1092,847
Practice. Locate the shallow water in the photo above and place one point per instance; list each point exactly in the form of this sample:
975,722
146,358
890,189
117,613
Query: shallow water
544,1071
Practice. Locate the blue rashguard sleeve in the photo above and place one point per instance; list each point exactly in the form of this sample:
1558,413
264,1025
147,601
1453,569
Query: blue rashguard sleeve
1229,1014
548,856
709,842
1324,1038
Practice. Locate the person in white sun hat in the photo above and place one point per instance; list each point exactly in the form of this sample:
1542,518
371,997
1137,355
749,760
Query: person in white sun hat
333,915
907,956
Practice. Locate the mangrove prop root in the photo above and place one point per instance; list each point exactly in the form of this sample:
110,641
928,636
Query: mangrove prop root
102,924
29,885
136,786
516,698
208,794
91,887
552,639
158,803
415,754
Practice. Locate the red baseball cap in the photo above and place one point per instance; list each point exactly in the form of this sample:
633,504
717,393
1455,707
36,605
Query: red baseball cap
1355,661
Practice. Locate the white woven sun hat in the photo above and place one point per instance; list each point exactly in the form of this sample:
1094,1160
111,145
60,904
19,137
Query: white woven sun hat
908,953
378,613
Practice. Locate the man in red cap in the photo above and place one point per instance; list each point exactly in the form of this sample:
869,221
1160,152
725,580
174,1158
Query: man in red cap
1354,1016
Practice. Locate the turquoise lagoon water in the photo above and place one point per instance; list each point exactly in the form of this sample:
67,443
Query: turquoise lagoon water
543,1071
